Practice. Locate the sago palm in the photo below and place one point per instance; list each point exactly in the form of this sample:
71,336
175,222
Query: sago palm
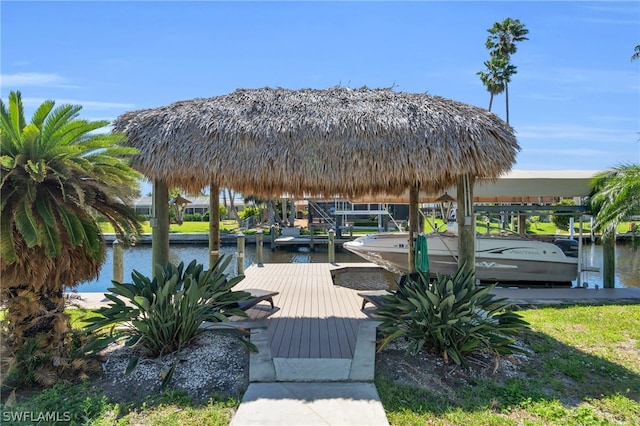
615,198
616,195
57,175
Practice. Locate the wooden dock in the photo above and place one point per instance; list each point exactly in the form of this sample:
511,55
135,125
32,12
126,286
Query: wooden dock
313,317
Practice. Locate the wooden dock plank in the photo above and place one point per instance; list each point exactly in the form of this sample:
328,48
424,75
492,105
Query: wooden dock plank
314,318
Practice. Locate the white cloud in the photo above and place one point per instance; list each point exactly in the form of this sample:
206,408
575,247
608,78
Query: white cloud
25,79
85,104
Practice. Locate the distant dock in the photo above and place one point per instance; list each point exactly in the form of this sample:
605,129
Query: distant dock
305,240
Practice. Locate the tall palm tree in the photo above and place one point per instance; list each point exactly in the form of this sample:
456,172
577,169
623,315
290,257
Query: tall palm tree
501,43
616,197
504,36
493,79
57,175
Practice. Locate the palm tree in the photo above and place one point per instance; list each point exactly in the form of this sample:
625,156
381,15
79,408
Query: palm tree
493,79
504,36
616,197
58,176
502,44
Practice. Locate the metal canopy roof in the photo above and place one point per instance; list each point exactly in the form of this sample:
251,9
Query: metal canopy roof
517,186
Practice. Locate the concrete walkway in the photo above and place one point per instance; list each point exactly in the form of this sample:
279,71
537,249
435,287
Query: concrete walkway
312,403
311,391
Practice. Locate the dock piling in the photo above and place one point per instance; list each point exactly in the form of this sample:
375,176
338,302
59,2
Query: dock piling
259,247
311,242
118,261
241,253
274,231
332,246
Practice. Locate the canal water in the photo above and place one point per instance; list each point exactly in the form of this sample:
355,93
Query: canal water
139,258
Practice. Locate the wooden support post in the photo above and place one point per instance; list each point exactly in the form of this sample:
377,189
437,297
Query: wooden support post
414,225
273,236
259,247
522,224
284,210
609,257
160,225
240,243
466,224
118,261
311,242
292,214
214,224
332,246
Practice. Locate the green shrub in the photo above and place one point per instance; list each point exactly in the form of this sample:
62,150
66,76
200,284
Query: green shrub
450,316
369,223
563,221
164,314
248,212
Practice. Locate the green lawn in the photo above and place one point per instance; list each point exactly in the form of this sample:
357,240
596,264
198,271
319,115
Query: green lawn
185,228
541,228
585,370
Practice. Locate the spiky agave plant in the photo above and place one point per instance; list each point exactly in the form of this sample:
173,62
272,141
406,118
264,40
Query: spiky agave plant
450,316
165,313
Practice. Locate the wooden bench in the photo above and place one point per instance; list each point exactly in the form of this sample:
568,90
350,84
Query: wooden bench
257,296
374,297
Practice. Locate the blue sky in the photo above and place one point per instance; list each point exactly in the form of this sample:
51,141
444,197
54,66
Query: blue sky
575,102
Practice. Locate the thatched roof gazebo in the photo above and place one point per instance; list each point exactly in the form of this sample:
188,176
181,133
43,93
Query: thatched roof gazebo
337,141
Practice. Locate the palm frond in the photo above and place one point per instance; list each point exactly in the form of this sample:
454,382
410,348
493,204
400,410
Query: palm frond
16,111
10,137
72,225
26,223
58,118
42,112
616,195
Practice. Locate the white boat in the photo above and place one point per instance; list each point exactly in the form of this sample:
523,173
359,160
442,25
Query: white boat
502,259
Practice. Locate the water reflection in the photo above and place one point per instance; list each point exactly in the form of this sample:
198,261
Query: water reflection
139,258
627,265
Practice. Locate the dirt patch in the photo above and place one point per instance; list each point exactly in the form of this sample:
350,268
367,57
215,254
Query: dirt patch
428,370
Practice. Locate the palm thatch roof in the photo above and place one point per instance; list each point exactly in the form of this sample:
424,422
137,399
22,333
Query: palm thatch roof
324,142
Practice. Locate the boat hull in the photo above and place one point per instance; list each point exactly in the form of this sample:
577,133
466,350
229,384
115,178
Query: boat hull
502,260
